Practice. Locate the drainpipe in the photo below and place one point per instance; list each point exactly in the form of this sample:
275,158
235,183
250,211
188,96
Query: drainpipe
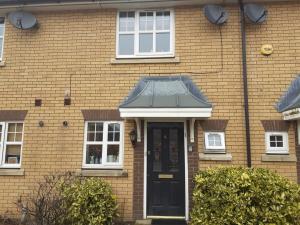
245,83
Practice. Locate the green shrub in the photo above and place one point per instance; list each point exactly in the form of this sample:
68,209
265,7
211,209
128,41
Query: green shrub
229,196
89,202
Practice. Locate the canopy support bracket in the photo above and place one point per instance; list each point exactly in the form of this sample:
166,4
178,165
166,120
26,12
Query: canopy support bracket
192,130
138,129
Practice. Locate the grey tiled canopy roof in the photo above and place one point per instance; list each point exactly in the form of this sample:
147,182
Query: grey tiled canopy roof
291,99
166,92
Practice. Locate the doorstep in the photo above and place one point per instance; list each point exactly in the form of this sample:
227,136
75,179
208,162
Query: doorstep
143,222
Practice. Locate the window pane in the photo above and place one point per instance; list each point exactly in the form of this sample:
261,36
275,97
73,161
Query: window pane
94,154
1,46
173,150
111,127
91,126
1,30
279,144
279,138
117,136
126,21
99,127
163,21
13,153
126,44
272,144
113,132
218,141
18,137
157,150
112,153
11,127
91,136
19,127
272,138
10,136
99,136
163,42
110,136
1,132
146,43
146,21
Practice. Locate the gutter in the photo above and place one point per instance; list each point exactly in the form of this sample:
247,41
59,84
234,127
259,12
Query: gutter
17,4
245,83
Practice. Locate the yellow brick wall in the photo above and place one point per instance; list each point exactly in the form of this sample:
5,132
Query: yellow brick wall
80,45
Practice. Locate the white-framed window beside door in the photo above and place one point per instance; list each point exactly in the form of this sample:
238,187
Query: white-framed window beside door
214,142
11,143
145,34
277,142
103,145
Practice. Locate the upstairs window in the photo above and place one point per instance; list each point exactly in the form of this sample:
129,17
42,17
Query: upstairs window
103,145
145,34
277,142
2,28
11,141
215,142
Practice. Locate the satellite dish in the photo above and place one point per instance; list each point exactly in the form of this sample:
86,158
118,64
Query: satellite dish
215,14
256,13
22,20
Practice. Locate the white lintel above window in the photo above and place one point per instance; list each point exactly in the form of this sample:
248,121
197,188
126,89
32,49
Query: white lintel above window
145,34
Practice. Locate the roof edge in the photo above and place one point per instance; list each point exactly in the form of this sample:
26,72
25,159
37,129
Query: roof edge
37,5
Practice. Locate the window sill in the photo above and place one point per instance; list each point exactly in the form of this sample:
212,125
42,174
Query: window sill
145,60
215,157
103,173
12,172
2,63
278,158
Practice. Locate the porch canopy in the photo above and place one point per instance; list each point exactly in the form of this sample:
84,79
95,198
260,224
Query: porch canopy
166,97
289,104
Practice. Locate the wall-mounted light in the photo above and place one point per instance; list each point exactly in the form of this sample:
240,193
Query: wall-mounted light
133,137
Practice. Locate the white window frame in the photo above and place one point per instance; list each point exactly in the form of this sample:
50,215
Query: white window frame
277,150
3,25
4,144
104,143
212,149
136,32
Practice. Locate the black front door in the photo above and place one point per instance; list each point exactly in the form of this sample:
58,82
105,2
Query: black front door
165,170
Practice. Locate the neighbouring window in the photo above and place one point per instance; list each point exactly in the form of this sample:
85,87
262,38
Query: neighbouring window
11,141
2,29
103,146
215,141
277,142
145,33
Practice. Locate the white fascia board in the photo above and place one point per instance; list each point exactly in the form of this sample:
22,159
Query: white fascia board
165,112
118,4
293,114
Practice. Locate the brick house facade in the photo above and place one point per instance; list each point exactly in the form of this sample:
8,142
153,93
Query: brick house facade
73,54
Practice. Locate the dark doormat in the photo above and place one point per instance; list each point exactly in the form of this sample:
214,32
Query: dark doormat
169,222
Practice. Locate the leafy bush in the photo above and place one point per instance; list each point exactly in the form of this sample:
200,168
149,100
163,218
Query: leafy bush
229,196
44,206
89,201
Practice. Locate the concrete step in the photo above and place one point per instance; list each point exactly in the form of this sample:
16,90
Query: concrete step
143,222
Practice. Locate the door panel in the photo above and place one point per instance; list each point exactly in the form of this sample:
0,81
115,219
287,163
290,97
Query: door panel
165,170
